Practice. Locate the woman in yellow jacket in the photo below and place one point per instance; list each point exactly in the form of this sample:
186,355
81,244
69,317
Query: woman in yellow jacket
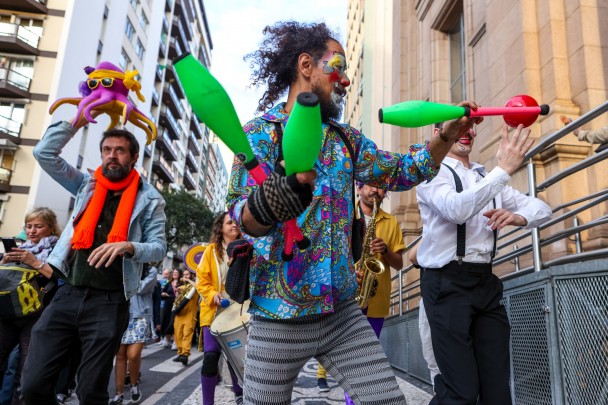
211,277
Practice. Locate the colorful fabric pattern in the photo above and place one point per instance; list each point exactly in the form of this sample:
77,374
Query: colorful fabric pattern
139,330
315,279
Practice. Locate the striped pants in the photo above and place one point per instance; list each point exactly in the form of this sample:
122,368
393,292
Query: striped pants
343,342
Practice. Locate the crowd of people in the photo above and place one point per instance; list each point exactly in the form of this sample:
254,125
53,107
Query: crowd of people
101,300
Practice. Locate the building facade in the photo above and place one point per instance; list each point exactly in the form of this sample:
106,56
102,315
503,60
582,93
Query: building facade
44,46
487,51
30,41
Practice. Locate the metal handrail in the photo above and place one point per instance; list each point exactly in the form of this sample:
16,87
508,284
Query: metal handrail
575,168
551,139
588,202
558,219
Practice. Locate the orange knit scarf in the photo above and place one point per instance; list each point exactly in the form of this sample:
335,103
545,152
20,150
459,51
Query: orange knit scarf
84,232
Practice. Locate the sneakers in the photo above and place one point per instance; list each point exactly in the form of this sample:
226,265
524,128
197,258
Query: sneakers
173,346
117,400
135,394
61,398
322,383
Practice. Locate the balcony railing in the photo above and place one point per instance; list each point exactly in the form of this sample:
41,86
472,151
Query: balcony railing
155,97
15,78
190,184
194,143
175,98
5,179
9,126
198,131
169,145
174,46
164,168
191,161
28,6
173,125
20,32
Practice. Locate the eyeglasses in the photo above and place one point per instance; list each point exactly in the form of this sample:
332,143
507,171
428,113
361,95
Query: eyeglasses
105,82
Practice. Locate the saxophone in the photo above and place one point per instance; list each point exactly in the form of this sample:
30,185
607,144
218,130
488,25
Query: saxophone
183,292
369,265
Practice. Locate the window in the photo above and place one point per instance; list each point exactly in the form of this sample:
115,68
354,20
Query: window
457,61
129,30
31,24
134,4
143,21
15,112
24,67
106,11
99,47
12,116
139,49
124,60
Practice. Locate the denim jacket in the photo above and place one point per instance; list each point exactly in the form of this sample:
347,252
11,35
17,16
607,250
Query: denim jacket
141,303
147,224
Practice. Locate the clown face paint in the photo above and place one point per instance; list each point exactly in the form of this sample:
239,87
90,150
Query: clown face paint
334,64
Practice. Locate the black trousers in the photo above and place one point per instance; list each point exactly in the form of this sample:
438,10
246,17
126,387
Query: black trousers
470,334
94,317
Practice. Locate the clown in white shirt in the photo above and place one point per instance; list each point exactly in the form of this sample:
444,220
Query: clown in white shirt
462,210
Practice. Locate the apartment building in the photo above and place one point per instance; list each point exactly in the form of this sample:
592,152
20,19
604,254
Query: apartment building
27,62
216,180
44,46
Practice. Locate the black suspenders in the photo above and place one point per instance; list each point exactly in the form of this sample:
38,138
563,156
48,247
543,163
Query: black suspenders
461,229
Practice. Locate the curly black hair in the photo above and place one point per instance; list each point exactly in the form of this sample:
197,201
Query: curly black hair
276,62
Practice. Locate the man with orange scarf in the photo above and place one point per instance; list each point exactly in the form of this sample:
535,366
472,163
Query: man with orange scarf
117,225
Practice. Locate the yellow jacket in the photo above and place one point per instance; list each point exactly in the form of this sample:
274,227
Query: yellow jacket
208,284
388,229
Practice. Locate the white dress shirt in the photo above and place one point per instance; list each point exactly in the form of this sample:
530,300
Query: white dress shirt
442,208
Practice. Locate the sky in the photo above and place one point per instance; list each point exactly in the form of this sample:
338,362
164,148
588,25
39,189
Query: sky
236,30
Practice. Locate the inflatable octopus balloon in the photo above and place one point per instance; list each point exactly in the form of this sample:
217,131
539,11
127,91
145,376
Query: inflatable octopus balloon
106,90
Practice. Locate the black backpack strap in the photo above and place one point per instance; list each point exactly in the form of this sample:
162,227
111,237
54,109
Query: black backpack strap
351,151
279,129
461,229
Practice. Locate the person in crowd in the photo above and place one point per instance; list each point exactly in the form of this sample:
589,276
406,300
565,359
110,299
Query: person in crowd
42,233
387,246
184,311
592,136
117,225
210,284
138,332
423,324
169,292
8,380
462,210
156,308
304,308
166,303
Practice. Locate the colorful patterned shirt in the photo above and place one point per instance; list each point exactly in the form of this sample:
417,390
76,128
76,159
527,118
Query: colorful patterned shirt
323,274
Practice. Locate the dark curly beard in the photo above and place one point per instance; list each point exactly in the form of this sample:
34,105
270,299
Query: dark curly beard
118,174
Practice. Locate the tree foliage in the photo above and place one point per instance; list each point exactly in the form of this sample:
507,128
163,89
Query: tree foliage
188,219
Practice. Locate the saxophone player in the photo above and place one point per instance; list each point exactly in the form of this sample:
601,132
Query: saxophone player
185,309
386,245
